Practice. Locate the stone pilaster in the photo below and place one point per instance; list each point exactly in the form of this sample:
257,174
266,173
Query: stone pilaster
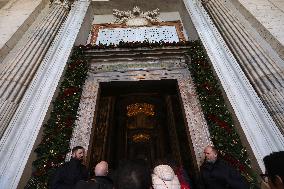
18,140
265,73
257,125
17,73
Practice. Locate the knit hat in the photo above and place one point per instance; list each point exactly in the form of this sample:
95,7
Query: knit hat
163,177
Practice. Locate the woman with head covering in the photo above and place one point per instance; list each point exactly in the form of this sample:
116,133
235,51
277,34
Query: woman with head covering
163,177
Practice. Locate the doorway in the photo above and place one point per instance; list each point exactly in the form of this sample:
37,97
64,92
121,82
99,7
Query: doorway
140,120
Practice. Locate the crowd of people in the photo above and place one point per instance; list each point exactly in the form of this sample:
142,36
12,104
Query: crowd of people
136,174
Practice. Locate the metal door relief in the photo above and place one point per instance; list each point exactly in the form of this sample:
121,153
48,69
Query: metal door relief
100,132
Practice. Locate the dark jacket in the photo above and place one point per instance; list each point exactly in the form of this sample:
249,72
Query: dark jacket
96,183
220,175
69,174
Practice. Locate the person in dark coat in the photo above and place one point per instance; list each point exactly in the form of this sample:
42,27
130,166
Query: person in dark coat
274,166
70,172
133,174
216,174
100,181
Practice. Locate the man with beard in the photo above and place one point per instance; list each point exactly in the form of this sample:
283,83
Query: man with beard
70,172
216,174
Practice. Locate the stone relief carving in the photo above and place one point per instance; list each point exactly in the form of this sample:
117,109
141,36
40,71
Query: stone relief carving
64,3
136,17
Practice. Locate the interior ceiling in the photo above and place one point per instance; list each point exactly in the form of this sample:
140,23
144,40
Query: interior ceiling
106,7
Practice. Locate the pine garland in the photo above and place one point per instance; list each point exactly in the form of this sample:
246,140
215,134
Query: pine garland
219,119
58,129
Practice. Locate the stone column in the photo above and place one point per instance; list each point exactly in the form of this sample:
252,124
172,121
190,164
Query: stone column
263,71
17,73
258,127
20,136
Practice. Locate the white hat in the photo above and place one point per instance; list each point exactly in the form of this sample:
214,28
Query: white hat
163,177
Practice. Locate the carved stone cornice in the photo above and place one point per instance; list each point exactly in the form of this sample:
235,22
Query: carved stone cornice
122,67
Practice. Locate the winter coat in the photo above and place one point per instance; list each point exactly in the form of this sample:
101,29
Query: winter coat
99,182
163,177
69,174
220,175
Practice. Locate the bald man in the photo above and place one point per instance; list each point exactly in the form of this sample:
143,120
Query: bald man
100,181
101,169
216,174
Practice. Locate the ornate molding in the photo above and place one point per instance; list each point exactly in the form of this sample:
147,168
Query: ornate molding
123,67
64,3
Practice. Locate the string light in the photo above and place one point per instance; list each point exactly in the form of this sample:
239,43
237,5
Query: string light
134,109
51,152
141,137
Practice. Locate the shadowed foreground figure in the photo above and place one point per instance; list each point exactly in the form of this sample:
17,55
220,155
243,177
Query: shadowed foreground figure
100,181
216,174
274,165
133,175
70,172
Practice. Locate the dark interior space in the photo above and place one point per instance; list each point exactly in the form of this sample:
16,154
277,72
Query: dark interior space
140,120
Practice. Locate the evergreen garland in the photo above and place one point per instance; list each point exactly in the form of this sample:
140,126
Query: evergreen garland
58,129
57,132
220,122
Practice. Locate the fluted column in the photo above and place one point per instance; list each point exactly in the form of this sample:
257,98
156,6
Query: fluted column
17,73
263,71
17,142
255,123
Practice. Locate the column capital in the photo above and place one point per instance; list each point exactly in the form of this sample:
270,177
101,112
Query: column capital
65,3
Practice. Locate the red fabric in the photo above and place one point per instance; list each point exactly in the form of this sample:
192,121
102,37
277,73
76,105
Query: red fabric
183,183
184,186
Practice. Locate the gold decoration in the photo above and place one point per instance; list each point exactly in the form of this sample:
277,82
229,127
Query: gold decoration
134,109
141,137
